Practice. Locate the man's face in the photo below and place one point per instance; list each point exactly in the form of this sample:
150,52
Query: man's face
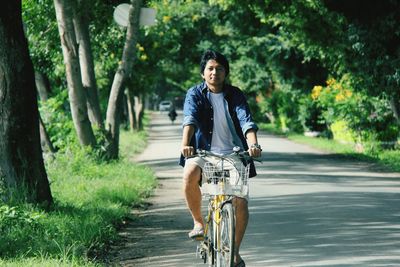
214,73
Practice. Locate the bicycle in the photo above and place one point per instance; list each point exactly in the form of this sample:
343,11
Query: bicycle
226,178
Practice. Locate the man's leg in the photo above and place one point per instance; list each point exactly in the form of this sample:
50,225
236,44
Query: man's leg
242,218
191,189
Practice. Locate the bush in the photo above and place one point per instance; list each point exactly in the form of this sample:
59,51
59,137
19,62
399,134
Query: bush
342,133
17,224
370,119
310,116
58,121
284,106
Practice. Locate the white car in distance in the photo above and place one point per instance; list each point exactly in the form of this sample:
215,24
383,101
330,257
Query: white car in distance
165,105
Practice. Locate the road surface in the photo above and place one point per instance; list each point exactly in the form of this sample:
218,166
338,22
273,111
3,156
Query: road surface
307,208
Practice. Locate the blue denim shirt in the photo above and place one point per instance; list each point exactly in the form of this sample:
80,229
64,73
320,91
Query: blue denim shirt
197,111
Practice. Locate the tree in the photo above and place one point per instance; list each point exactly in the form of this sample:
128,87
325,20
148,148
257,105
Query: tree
21,161
77,96
373,47
122,74
43,89
86,63
42,85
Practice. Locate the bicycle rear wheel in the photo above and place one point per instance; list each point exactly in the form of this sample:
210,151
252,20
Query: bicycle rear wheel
226,237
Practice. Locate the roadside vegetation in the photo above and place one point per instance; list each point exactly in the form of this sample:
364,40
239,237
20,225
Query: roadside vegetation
389,158
91,199
325,68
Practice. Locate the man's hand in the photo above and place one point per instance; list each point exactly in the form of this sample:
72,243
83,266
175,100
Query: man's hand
255,151
255,148
187,151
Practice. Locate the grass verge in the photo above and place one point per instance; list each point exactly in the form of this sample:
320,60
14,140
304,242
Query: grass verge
388,158
91,199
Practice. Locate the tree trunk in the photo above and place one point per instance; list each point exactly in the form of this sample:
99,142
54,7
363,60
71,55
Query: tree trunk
395,105
139,111
77,96
21,160
44,137
43,88
42,85
131,110
124,114
87,65
123,71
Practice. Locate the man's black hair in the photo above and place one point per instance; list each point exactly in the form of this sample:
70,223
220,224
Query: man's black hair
211,54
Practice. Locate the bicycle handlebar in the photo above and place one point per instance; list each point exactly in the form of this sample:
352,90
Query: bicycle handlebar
203,152
242,155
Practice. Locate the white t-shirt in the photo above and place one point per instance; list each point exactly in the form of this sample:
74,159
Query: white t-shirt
222,139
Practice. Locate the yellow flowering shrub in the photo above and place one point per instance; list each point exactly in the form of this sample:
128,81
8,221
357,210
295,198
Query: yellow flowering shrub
352,115
143,57
316,92
328,102
166,19
332,90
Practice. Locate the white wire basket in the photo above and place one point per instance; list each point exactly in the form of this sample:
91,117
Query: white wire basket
225,177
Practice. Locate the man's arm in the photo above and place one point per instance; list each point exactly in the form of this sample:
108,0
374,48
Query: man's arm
186,149
254,147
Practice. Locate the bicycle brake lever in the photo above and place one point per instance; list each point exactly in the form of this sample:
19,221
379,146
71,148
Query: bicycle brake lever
201,152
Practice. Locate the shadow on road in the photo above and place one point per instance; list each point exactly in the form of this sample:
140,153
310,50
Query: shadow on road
325,229
323,210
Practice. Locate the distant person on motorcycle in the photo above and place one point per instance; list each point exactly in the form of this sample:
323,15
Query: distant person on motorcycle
172,114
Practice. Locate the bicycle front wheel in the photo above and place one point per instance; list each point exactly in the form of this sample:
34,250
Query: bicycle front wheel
209,241
226,237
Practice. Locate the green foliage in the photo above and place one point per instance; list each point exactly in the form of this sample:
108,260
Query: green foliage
369,118
325,144
43,38
271,44
332,99
57,119
310,116
342,133
390,158
173,46
133,144
44,261
91,198
372,118
16,225
284,106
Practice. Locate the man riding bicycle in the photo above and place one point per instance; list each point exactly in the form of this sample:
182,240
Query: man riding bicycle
216,118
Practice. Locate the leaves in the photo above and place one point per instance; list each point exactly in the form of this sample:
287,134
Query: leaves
271,45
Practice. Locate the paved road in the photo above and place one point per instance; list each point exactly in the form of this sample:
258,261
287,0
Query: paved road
307,208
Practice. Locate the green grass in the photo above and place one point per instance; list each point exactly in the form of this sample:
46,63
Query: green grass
322,143
43,261
92,198
132,144
388,158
